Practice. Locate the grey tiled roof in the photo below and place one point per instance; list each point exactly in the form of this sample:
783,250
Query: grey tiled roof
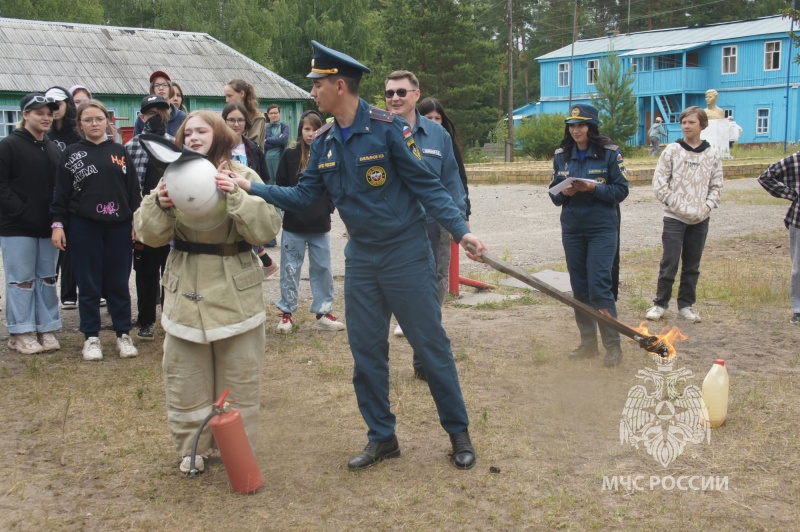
728,31
36,55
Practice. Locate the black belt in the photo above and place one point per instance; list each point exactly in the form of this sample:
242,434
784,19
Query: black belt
223,250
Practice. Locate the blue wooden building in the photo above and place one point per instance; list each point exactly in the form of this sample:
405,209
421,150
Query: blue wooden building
750,63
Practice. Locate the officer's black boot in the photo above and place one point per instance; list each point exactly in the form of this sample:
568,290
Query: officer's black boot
463,456
374,452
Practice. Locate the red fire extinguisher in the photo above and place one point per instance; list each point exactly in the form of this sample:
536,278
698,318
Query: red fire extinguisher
234,447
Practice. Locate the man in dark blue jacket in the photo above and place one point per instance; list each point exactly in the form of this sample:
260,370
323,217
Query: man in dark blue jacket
369,162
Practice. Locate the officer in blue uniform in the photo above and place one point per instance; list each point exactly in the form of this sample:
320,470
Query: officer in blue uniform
590,223
436,146
369,162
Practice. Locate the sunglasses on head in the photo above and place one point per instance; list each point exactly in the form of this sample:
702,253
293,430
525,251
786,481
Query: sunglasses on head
38,99
402,93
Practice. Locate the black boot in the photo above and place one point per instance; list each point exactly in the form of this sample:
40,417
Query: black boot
463,456
613,356
584,351
374,452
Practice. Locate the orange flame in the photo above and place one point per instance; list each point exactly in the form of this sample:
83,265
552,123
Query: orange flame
668,336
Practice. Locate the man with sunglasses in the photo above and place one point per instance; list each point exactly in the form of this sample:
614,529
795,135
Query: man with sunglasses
161,85
436,147
368,160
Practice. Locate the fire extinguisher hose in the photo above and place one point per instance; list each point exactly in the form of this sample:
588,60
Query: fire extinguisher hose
192,469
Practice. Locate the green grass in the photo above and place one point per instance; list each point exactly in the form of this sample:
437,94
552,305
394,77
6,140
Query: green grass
752,197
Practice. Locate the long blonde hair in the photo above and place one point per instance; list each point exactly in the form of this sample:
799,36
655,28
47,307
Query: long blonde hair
225,140
250,99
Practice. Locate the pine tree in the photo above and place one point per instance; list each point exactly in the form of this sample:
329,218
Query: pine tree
615,100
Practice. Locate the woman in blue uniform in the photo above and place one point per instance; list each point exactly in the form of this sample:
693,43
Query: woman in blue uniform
590,223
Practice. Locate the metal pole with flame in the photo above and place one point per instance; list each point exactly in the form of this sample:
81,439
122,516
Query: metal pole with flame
648,342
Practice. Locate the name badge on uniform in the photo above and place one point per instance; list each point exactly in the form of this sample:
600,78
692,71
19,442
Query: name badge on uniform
431,152
370,158
376,176
329,165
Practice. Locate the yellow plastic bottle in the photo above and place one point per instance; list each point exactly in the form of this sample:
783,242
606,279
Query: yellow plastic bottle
715,393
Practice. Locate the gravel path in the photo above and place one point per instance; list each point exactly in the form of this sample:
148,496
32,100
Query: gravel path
521,224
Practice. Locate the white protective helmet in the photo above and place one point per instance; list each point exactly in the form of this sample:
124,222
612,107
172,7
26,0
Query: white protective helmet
189,177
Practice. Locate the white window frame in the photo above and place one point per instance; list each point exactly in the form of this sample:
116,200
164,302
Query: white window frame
768,56
563,71
592,68
6,114
635,64
730,62
762,121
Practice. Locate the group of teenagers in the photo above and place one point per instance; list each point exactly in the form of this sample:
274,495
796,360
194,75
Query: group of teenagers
109,206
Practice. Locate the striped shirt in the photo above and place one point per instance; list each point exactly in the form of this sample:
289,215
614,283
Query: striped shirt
782,180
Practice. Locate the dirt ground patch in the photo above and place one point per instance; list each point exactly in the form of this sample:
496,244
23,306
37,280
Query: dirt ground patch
86,447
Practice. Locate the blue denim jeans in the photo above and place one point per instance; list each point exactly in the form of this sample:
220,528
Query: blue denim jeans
293,250
30,260
685,243
794,285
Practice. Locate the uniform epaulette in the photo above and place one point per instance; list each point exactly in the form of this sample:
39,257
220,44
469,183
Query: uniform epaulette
611,147
559,150
376,113
321,131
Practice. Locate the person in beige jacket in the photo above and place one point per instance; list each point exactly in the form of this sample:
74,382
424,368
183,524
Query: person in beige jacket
213,312
688,183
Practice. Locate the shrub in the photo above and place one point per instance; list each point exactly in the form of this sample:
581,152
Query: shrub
539,135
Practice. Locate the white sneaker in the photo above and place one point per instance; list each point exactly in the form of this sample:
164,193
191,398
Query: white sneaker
49,342
25,343
398,331
287,324
328,322
199,464
92,349
655,313
126,348
689,314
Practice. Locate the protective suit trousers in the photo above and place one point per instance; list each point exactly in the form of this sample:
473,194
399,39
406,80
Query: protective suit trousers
195,375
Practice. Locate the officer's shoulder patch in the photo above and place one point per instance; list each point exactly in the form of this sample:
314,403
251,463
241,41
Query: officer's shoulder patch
321,131
376,113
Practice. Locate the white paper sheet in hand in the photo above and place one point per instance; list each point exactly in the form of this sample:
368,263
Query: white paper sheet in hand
568,183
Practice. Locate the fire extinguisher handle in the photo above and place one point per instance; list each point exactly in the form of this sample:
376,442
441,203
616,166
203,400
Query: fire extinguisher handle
221,401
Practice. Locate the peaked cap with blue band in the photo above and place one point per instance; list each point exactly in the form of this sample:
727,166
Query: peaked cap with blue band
582,113
328,62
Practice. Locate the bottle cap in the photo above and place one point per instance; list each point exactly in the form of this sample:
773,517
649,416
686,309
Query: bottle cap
719,361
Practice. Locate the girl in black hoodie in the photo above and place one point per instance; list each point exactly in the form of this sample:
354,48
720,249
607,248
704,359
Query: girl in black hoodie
97,191
27,167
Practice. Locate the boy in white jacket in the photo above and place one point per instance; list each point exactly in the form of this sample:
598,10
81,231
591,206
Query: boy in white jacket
688,181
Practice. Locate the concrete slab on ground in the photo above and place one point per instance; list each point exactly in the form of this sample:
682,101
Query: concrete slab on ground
558,280
477,298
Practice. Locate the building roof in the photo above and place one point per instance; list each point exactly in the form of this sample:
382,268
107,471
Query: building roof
35,55
675,36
